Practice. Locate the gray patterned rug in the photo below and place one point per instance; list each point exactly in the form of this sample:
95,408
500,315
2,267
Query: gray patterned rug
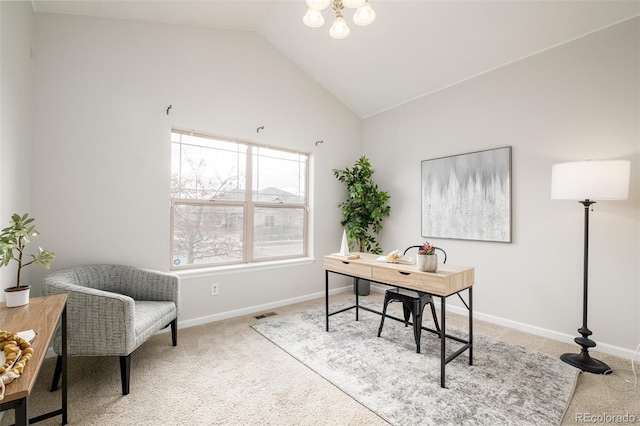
507,385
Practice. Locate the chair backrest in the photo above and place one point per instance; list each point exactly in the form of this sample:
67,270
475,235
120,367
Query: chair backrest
130,281
436,248
100,276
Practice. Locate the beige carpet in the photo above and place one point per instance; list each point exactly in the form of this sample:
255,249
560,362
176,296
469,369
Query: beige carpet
225,373
506,384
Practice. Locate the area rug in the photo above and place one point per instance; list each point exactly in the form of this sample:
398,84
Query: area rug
507,384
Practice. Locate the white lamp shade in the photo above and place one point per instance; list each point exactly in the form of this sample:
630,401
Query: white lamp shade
590,180
313,18
339,29
318,4
364,15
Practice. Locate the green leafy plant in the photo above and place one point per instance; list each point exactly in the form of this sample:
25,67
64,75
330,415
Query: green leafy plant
365,207
13,242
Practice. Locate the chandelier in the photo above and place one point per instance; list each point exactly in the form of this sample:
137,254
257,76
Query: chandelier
363,15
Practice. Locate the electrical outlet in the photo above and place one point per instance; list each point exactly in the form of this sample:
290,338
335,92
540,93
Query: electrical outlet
214,289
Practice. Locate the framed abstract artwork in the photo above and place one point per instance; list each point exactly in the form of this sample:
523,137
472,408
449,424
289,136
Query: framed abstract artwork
468,196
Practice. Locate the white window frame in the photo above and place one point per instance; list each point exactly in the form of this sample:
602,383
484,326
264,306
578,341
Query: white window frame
249,205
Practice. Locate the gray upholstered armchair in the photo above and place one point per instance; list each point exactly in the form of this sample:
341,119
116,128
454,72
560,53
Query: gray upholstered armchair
113,309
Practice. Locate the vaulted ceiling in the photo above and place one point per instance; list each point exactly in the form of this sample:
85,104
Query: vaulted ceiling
413,48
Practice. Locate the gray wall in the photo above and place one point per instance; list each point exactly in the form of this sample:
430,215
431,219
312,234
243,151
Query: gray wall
577,101
102,145
17,23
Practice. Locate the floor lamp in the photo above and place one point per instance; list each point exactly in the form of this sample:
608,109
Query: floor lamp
587,181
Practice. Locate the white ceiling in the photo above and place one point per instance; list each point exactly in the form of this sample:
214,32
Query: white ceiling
413,48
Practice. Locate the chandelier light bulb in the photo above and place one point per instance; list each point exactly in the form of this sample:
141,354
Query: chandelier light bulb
353,4
313,18
364,15
318,4
339,29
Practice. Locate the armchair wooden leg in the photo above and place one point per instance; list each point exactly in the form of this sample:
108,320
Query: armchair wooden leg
174,332
56,374
125,370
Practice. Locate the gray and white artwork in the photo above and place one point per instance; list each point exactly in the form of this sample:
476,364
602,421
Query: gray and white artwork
468,196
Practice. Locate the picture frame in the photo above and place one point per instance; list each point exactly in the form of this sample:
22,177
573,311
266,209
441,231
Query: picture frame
467,196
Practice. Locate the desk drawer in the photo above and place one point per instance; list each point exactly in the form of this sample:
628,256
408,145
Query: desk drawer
414,280
348,267
444,282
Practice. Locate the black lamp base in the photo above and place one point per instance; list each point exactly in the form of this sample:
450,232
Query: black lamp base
584,362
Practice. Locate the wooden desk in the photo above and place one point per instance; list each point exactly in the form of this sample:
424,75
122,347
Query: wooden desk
447,281
41,315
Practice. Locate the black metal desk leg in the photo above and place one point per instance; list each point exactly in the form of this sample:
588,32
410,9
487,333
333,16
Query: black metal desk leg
64,365
326,295
357,294
470,325
443,328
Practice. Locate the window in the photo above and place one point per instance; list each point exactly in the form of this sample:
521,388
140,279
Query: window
269,221
235,202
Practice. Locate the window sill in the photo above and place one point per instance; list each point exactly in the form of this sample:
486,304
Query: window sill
258,266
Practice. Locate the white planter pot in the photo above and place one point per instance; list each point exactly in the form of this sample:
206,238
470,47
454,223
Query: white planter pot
17,297
427,262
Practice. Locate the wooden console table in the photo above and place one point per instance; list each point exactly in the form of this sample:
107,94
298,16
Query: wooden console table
446,281
41,315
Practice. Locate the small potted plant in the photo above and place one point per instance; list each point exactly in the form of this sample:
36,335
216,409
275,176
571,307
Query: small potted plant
427,259
13,242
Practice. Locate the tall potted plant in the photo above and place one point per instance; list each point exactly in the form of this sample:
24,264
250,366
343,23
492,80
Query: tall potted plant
13,242
364,209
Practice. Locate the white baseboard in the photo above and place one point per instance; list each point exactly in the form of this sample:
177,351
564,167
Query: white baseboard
258,308
538,331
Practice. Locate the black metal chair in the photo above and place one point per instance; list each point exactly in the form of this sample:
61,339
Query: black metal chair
413,304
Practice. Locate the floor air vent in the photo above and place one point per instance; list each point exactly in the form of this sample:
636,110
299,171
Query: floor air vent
268,314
